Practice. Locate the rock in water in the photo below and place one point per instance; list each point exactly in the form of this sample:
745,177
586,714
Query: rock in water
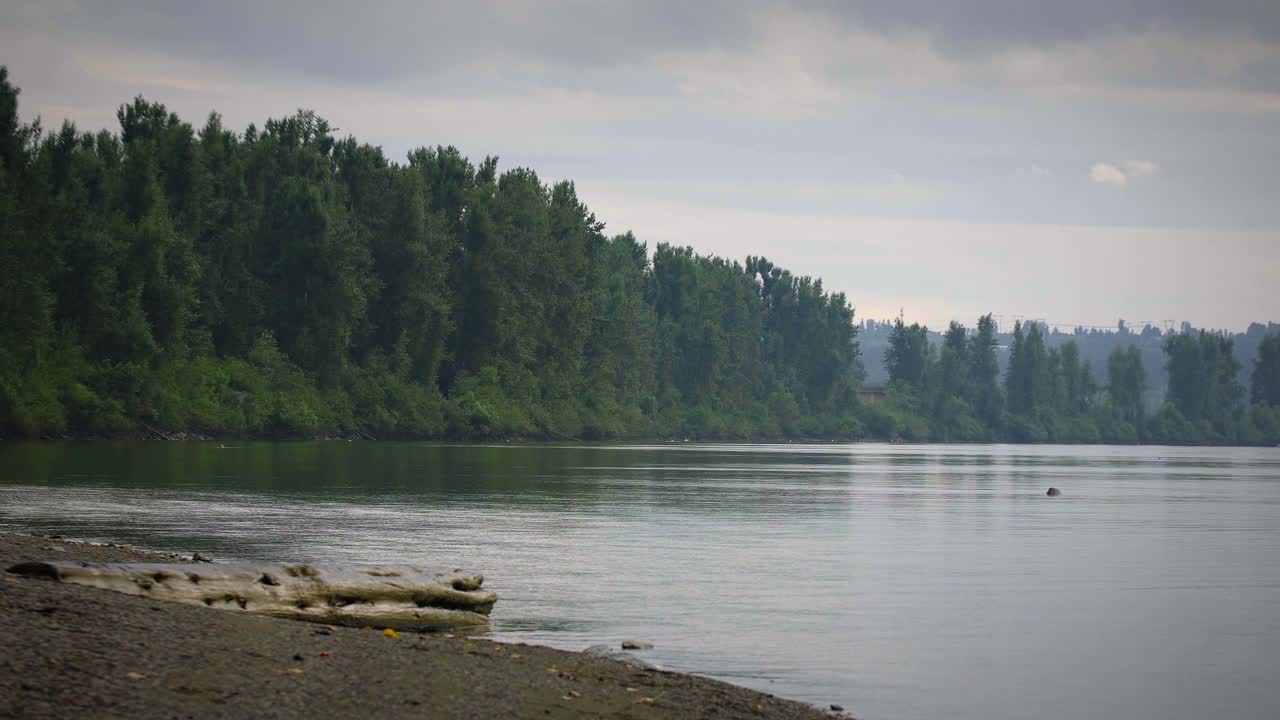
1053,492
607,651
636,645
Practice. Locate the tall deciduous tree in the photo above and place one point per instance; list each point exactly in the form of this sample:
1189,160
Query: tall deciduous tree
1202,376
984,371
907,358
1126,381
1265,378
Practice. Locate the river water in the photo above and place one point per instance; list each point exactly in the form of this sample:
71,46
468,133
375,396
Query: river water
901,582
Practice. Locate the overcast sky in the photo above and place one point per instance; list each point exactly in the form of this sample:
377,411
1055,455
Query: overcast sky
1073,161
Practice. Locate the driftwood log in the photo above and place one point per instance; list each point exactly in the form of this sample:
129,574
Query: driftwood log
403,597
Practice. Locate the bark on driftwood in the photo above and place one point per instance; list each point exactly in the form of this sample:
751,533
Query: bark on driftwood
403,597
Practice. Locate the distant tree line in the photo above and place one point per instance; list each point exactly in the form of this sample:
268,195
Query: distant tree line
957,393
1093,344
285,281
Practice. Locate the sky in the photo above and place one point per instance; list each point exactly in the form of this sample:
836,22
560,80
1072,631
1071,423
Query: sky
1076,162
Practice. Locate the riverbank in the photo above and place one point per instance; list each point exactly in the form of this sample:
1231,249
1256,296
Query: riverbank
154,435
72,651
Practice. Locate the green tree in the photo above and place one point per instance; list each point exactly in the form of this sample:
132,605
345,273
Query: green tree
953,362
1026,378
907,358
1126,381
1203,383
984,372
281,280
1265,378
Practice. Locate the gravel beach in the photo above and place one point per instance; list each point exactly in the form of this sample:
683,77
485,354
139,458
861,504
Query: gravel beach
73,651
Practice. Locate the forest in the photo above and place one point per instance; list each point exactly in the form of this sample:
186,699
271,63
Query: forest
958,392
283,281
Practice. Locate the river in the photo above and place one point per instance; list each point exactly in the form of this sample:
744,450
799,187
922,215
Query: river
901,582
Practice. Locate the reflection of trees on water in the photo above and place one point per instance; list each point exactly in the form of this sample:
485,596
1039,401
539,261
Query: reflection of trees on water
557,486
571,478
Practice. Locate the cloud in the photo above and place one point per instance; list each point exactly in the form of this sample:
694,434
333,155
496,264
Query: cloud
1155,64
807,106
974,26
1141,168
812,56
1107,174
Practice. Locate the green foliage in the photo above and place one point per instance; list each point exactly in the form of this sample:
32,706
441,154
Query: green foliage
1050,394
1028,380
1126,380
1265,378
1260,426
1171,427
898,418
908,356
1202,382
984,373
283,281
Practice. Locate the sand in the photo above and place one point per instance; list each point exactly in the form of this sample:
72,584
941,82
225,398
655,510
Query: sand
72,651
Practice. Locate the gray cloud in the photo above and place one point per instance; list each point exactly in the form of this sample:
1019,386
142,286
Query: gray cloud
383,42
944,113
986,24
612,44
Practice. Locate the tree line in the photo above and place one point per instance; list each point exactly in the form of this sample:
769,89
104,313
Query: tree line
1048,394
1094,346
287,281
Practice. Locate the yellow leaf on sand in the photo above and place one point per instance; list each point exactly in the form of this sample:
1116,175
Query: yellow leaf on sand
468,645
390,633
135,676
